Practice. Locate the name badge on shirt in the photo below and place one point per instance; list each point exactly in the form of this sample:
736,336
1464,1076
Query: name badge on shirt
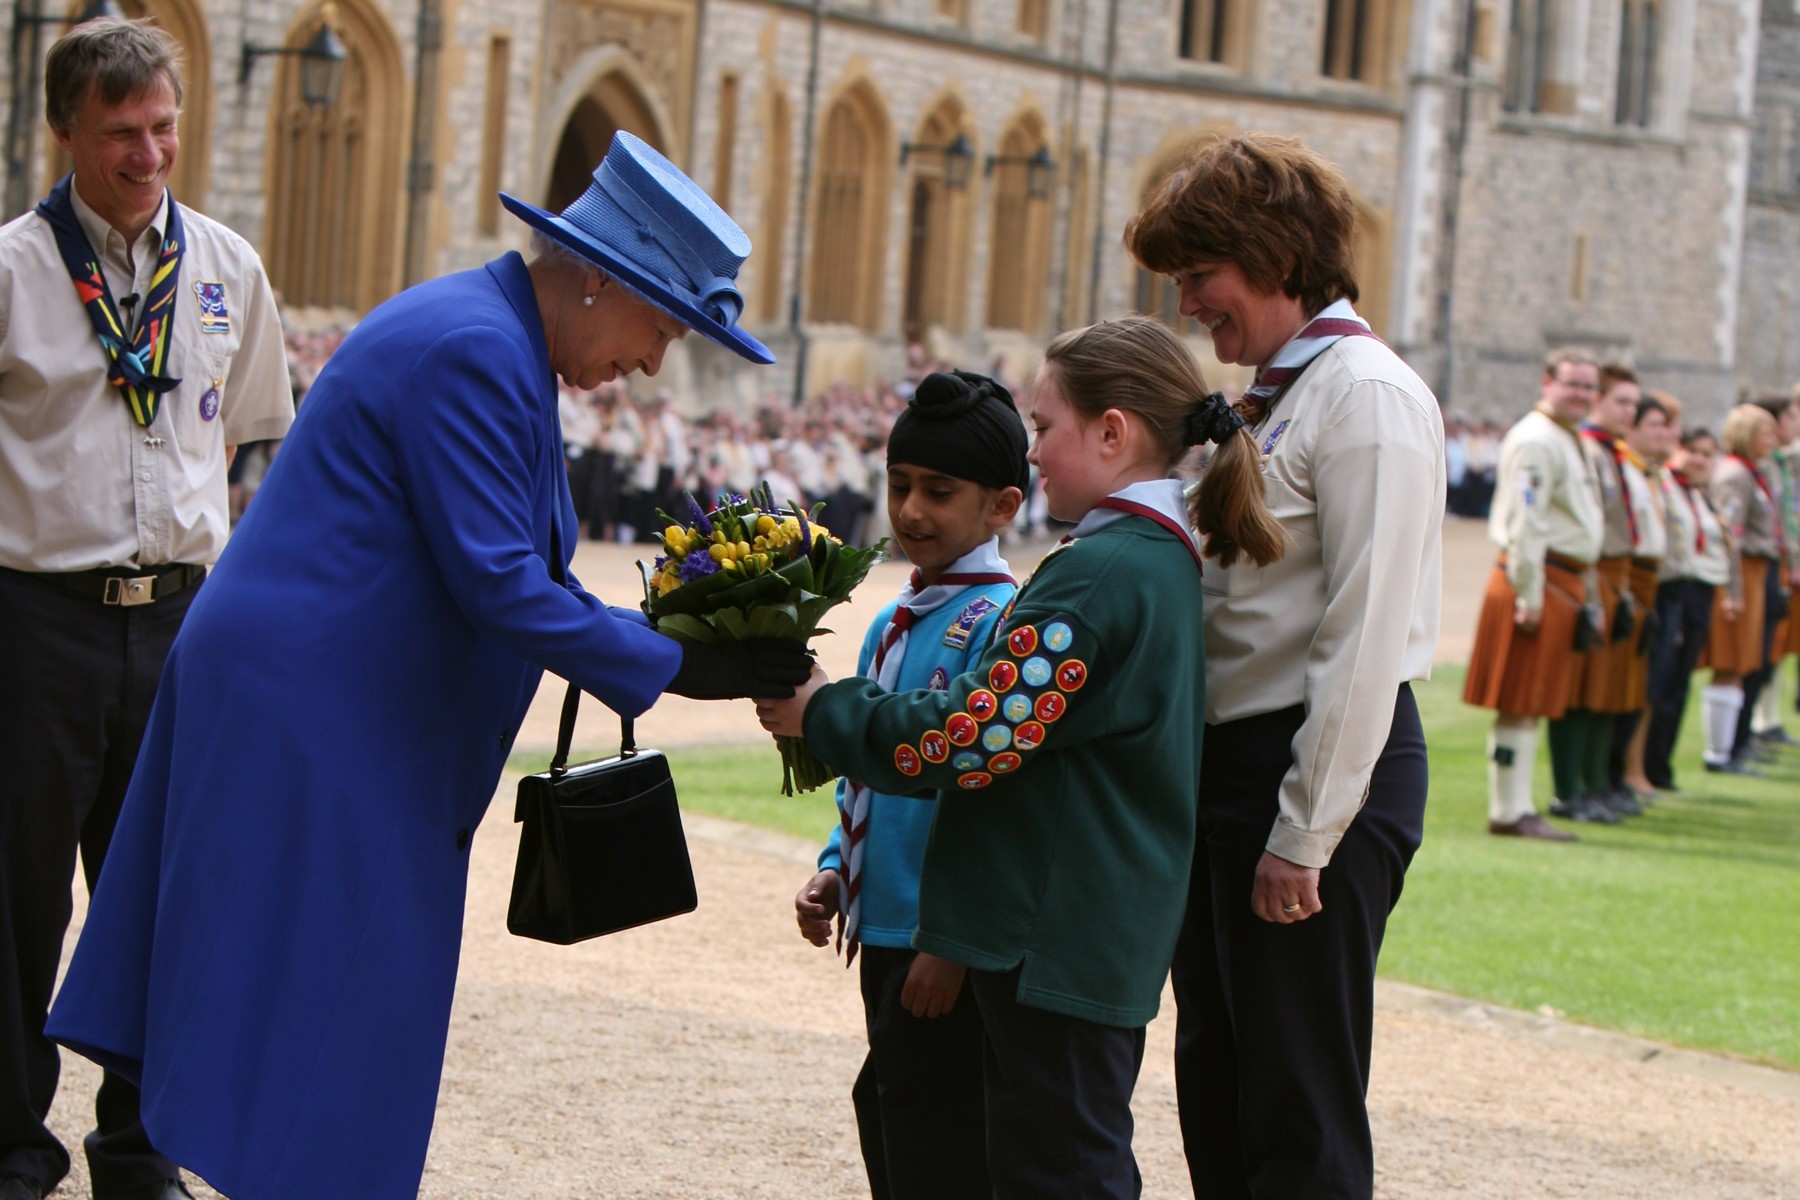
957,636
213,316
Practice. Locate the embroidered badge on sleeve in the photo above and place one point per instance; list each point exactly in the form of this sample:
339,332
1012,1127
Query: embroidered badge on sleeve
957,636
1027,692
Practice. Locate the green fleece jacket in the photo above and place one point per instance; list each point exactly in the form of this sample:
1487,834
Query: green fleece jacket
1068,766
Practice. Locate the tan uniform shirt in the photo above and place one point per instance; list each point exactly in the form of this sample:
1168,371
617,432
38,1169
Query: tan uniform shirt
1351,611
1616,540
1546,501
1645,499
82,484
1749,514
1697,547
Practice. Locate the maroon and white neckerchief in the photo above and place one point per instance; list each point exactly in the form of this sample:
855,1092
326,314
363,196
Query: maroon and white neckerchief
979,567
1334,322
1695,499
1610,444
1762,485
1161,500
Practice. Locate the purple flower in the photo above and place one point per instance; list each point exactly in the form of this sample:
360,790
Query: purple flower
805,531
700,521
662,560
697,566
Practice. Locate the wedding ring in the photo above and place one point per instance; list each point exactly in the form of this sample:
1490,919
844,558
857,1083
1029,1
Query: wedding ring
1290,909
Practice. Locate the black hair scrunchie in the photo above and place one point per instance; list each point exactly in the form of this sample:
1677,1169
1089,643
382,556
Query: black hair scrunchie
1214,421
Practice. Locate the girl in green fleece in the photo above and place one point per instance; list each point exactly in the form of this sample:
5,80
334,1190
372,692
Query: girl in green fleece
1066,762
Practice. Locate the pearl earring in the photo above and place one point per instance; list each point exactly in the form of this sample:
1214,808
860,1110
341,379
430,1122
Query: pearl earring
588,300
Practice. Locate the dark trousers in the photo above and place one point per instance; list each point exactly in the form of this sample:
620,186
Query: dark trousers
1058,1099
1274,1022
79,677
919,1107
1684,607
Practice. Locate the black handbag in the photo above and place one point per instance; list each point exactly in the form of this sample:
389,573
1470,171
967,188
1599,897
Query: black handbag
602,848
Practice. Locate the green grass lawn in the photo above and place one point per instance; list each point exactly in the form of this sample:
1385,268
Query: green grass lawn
1679,925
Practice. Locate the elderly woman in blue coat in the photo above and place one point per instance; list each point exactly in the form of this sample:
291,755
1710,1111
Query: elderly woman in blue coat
272,949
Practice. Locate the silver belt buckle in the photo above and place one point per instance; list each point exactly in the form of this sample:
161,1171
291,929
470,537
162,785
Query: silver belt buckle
129,593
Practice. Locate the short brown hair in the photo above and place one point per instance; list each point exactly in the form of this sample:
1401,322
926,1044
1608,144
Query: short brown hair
121,58
1612,374
1134,364
1568,354
1268,204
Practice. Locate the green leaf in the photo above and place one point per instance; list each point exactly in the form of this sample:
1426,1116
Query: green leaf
731,624
685,628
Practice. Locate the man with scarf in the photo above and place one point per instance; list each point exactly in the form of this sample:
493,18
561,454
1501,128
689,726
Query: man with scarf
139,344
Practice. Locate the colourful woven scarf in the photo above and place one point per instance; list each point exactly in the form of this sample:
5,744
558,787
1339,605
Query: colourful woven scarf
137,362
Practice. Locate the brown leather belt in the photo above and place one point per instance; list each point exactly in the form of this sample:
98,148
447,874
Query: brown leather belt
1560,561
126,587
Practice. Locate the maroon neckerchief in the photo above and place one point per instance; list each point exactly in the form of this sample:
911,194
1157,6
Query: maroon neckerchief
1144,510
1695,499
1762,485
1594,433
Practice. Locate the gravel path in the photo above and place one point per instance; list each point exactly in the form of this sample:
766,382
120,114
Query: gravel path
712,1055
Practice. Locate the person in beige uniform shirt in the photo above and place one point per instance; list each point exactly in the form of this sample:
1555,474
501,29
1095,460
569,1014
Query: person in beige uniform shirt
1645,448
1548,523
1695,567
1765,722
1313,783
110,525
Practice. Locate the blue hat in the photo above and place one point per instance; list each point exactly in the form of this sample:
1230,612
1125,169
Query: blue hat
654,229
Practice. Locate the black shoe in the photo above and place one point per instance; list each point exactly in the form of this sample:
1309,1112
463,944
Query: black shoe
1594,811
1731,766
168,1189
1777,737
1562,808
14,1188
1622,802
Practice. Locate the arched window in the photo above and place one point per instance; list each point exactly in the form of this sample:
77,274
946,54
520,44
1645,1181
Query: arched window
183,21
1152,294
1019,260
1078,274
768,257
1357,39
334,174
1538,75
937,233
849,205
1640,40
1372,258
1214,31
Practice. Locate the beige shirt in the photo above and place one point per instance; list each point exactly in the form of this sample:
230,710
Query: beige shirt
1616,541
1697,547
1646,507
82,484
1745,510
1354,470
1545,501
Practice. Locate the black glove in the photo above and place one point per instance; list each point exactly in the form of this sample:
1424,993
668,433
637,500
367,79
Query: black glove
764,667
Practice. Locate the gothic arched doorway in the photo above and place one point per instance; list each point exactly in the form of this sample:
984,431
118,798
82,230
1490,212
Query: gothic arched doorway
612,104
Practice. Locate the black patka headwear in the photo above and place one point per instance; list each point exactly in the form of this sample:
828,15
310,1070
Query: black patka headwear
967,427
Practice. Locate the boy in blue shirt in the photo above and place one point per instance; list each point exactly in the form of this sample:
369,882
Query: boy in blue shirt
956,477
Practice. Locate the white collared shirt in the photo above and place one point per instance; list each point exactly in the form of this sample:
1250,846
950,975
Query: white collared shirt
1350,612
82,484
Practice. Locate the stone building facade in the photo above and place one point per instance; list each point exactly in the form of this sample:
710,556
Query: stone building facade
957,172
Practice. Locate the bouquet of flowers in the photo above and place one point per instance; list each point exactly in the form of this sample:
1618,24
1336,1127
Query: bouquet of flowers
748,569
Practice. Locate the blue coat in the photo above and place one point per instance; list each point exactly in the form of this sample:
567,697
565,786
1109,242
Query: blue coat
272,947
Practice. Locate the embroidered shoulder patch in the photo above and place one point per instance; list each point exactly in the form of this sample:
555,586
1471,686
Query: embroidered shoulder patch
957,636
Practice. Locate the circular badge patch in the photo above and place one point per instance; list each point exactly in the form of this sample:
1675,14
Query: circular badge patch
1003,676
967,761
1029,736
1017,708
940,681
1002,763
973,780
982,704
934,747
906,761
1036,671
1058,637
1071,675
209,403
1022,641
961,729
1050,706
998,737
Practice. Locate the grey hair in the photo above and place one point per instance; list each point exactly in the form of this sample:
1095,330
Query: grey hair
119,58
546,247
